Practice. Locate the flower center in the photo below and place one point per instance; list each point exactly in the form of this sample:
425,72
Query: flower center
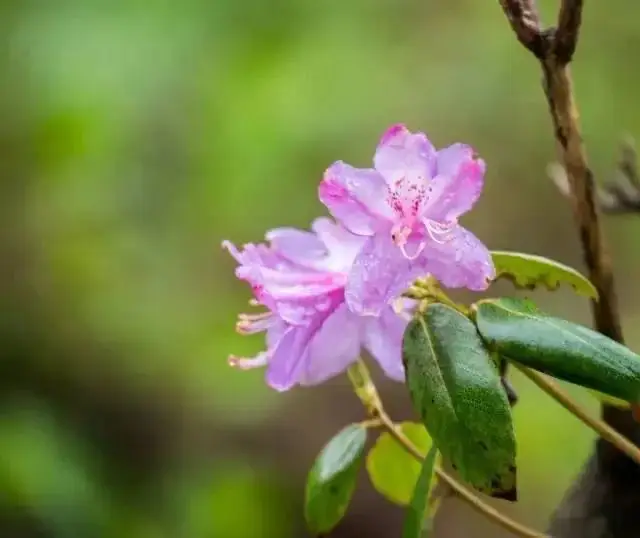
407,196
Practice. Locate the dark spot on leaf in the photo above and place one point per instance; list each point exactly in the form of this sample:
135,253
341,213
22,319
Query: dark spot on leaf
483,445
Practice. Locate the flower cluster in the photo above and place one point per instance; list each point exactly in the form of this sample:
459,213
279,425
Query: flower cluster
331,291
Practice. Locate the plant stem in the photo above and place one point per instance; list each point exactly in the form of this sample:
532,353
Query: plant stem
469,497
600,427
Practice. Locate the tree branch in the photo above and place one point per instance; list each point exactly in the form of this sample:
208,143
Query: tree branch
525,21
569,22
605,501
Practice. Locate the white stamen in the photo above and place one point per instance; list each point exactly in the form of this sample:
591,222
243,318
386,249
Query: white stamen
443,230
419,250
245,363
253,323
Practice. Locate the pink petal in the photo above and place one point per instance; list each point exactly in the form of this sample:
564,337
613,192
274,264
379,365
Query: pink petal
458,184
311,355
355,197
379,274
343,246
298,246
460,261
287,357
383,340
306,308
256,255
333,348
401,154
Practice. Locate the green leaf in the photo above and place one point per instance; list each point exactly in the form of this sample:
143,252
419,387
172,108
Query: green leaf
610,400
332,479
528,271
414,522
516,329
455,386
392,470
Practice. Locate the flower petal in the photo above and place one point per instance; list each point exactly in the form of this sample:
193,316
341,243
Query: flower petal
288,355
333,348
379,274
460,261
259,255
311,355
343,246
298,246
355,197
383,340
458,183
401,154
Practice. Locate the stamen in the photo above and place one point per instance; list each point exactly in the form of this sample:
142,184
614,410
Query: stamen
253,323
444,230
400,235
255,317
419,250
245,363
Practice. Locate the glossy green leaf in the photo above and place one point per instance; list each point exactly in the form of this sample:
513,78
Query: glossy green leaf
414,523
392,470
528,271
332,479
516,329
455,387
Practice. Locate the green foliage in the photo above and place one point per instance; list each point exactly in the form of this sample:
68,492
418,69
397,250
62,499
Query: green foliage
332,479
45,469
528,271
393,471
455,387
516,329
414,523
610,400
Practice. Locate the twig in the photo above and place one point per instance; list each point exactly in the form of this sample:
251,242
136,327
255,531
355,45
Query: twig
503,368
621,194
601,428
525,22
569,22
558,85
602,502
474,501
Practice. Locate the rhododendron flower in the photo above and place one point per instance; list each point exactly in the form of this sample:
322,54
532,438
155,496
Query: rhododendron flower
407,207
311,334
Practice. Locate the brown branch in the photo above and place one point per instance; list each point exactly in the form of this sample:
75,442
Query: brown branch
605,501
568,31
525,22
564,115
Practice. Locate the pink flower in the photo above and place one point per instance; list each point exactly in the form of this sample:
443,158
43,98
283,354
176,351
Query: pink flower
407,207
311,334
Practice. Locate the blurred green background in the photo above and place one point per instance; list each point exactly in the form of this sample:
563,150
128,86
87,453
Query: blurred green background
136,135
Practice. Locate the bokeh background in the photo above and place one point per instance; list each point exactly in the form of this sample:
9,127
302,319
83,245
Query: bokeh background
136,135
